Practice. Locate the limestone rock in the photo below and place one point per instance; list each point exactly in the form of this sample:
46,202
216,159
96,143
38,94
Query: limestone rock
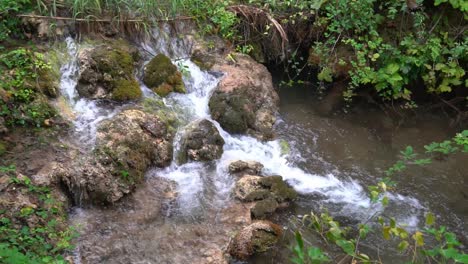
161,76
126,146
255,238
245,101
245,167
201,142
106,72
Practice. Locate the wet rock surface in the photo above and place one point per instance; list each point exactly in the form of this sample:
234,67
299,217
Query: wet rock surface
126,146
242,167
269,193
163,77
245,101
201,142
106,72
255,238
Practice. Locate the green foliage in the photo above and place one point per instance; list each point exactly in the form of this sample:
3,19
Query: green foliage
307,255
388,60
21,98
33,234
9,23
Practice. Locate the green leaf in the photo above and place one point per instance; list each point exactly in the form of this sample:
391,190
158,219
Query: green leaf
418,238
403,245
430,219
347,246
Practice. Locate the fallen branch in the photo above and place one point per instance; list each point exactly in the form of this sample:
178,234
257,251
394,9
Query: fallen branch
104,20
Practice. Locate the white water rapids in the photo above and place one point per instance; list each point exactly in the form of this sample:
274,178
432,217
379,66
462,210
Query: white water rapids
195,179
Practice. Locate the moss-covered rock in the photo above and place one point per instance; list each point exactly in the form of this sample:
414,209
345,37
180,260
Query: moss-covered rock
48,82
233,111
126,146
245,101
201,142
267,192
162,76
107,72
255,238
126,90
263,208
204,61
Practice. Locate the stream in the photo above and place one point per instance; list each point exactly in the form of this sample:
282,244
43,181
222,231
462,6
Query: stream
331,159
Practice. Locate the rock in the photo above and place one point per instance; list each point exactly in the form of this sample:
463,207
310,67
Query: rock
106,72
263,208
268,193
245,167
201,142
161,76
251,188
3,128
255,238
126,146
245,101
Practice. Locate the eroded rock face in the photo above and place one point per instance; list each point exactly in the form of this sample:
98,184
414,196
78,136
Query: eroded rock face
245,101
202,142
106,72
162,76
245,167
255,238
126,146
268,193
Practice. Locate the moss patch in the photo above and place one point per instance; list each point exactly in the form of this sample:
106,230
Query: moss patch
163,77
126,90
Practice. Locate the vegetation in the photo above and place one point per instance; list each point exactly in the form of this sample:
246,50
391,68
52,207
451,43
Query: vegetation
432,244
33,232
25,79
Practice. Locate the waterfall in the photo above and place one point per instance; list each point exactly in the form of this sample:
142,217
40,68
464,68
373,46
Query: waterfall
209,184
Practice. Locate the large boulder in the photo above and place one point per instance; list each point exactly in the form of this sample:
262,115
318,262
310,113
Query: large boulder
201,142
126,146
162,76
107,72
269,193
245,101
257,237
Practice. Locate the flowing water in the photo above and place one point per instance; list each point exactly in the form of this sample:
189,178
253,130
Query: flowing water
331,159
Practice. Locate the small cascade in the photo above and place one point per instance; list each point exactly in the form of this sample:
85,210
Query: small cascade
205,187
86,113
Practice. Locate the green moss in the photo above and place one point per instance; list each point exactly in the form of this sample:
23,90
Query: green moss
47,83
232,111
279,188
114,61
163,77
263,207
126,90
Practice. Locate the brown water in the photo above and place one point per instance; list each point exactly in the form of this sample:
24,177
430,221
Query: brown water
155,226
